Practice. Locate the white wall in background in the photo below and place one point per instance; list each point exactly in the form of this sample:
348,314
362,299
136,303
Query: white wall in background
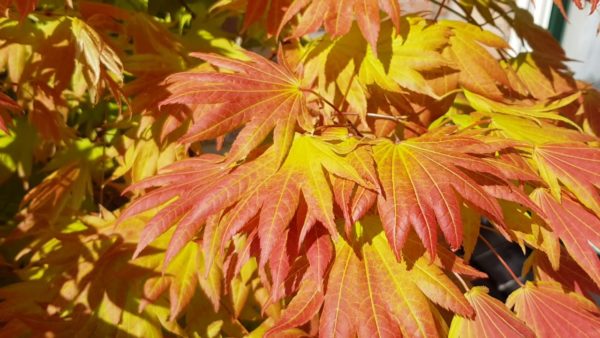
582,44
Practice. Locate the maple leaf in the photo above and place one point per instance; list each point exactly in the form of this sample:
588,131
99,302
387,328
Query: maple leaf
479,71
492,319
255,10
259,94
415,51
279,236
539,76
406,58
550,311
277,196
576,166
337,17
375,295
97,57
534,132
251,187
536,112
569,274
577,228
301,309
424,180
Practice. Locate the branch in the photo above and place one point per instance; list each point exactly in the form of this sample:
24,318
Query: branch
337,110
439,11
401,120
502,261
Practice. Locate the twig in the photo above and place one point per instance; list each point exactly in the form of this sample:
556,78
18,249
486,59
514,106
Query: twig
502,261
337,110
439,11
462,281
401,120
452,10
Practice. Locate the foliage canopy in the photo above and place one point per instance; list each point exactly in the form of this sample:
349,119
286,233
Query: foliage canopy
291,168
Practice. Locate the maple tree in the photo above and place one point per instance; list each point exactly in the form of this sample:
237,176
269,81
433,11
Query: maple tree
292,168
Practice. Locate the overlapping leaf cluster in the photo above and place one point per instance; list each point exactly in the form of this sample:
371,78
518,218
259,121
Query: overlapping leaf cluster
331,182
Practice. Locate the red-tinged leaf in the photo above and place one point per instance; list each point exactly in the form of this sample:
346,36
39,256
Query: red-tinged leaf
569,274
174,182
499,189
277,211
197,201
311,19
491,319
354,200
392,8
6,104
25,7
277,9
259,94
337,17
281,260
249,190
362,201
243,214
319,253
514,170
367,17
343,197
552,312
393,290
576,166
202,205
303,307
311,175
349,306
277,196
373,294
423,182
577,228
254,11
